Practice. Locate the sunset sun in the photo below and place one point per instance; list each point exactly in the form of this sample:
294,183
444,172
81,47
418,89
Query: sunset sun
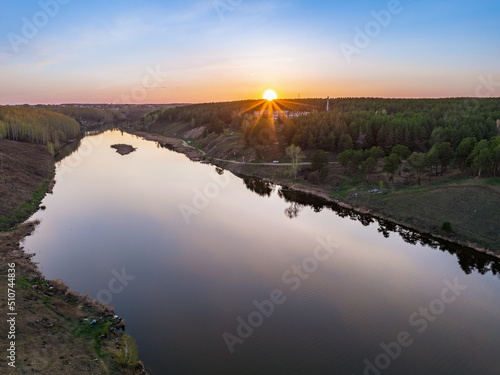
270,95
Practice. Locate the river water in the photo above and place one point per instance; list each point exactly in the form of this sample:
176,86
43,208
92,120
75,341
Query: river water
215,274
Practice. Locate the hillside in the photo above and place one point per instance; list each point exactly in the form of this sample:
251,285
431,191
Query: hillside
25,173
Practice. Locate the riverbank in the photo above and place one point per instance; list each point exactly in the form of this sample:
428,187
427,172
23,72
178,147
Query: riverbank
175,144
423,208
26,173
54,330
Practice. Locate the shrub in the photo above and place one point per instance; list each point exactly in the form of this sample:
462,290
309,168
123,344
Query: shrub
128,354
446,226
319,160
323,173
313,177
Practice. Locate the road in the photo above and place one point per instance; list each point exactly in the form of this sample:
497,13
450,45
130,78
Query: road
242,162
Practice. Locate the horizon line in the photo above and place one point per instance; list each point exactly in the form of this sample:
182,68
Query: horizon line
242,100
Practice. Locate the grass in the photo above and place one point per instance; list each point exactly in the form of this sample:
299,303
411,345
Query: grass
128,354
174,130
24,282
93,333
470,207
493,181
9,221
346,186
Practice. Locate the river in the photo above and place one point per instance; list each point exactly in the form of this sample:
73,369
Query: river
215,274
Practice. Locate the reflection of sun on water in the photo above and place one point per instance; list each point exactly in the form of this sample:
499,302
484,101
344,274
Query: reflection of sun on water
270,95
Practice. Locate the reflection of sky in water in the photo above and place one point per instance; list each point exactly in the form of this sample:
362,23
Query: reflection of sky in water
192,281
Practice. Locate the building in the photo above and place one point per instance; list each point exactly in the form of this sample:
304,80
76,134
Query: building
279,114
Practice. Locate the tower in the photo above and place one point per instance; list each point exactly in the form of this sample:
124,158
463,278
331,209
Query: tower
327,104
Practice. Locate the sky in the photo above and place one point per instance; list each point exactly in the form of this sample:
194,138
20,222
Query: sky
148,51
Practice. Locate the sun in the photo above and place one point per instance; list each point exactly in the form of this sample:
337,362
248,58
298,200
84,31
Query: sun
270,95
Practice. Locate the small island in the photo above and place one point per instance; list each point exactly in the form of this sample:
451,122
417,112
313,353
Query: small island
123,149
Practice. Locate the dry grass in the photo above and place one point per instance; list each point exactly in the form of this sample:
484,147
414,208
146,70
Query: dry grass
23,169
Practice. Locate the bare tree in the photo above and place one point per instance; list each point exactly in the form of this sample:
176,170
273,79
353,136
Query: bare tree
296,154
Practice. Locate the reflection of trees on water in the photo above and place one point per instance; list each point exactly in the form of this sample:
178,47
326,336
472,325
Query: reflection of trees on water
293,211
68,150
98,129
301,199
259,186
468,259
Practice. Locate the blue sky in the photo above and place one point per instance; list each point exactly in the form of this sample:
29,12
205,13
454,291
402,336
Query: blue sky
104,51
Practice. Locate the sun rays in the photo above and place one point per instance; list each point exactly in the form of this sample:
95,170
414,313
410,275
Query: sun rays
272,109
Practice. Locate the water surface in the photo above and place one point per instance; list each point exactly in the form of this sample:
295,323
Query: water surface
188,284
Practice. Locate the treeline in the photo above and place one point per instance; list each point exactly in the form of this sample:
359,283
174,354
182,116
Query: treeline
213,116
422,136
454,131
415,123
480,158
37,126
89,114
364,122
104,115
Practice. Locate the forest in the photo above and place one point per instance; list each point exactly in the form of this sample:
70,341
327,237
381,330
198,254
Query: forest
99,115
37,126
430,135
214,116
84,113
